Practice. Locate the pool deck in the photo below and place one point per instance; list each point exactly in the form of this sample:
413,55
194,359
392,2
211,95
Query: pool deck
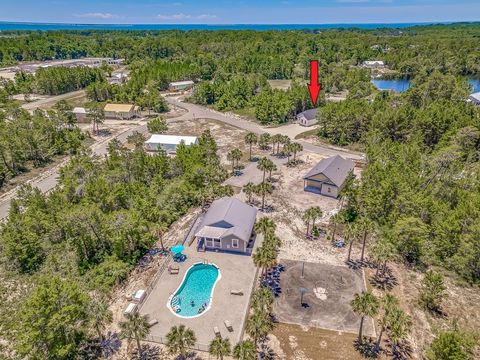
237,272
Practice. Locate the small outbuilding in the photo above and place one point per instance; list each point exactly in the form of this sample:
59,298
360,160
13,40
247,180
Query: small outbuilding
328,176
227,226
168,143
307,117
181,85
80,113
374,64
475,98
121,111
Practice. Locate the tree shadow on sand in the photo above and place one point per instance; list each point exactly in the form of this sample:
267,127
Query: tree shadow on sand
384,280
366,348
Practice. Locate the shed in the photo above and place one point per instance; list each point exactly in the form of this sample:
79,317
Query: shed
80,113
307,117
475,98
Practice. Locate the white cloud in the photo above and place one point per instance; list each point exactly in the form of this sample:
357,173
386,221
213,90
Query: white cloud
99,15
182,16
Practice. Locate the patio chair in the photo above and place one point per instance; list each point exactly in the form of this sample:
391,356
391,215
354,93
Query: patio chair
173,269
228,325
216,331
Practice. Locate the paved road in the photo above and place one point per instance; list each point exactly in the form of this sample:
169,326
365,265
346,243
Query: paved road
197,111
53,99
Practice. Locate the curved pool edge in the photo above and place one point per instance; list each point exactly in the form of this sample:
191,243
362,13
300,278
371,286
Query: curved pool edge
181,283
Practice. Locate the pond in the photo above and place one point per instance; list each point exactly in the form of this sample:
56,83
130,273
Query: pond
194,296
399,85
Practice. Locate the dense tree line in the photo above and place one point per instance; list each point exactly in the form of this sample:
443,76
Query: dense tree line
57,80
420,188
28,140
275,54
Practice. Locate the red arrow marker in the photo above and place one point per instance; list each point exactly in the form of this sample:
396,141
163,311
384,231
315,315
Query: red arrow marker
314,86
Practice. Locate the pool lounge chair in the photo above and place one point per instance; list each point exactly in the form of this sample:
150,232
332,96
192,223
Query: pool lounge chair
216,331
236,292
173,269
228,325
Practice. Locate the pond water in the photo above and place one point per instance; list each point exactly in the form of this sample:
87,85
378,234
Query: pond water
402,85
399,85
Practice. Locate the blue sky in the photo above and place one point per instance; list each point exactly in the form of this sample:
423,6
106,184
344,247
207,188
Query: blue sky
239,12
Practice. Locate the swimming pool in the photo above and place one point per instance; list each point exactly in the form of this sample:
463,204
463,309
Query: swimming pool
194,295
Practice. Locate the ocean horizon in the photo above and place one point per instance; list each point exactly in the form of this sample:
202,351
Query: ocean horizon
34,26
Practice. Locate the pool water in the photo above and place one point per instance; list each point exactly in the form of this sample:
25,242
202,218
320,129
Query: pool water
193,297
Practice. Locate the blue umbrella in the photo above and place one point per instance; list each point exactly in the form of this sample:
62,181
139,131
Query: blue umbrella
177,249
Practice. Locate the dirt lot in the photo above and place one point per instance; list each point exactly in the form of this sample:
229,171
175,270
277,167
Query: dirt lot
326,302
293,342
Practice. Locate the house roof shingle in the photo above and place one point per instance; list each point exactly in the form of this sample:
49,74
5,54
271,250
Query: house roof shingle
336,168
309,114
236,217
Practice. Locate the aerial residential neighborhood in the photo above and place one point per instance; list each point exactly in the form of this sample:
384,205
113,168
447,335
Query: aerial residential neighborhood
240,180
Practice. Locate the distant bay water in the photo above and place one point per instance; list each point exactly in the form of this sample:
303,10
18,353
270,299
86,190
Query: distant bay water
257,27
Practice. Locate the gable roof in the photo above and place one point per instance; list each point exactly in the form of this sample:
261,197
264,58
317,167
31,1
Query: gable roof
335,168
236,217
309,114
119,107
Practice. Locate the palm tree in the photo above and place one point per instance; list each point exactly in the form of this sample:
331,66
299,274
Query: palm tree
100,316
381,253
295,148
245,350
265,257
399,327
220,347
259,324
264,164
271,167
158,231
307,218
365,224
316,212
249,189
334,219
276,139
350,233
272,241
264,141
364,304
263,189
232,156
287,148
179,339
390,305
262,299
265,225
250,139
135,327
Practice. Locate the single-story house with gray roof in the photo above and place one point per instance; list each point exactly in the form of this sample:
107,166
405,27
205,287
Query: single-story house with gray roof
227,226
307,117
328,176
